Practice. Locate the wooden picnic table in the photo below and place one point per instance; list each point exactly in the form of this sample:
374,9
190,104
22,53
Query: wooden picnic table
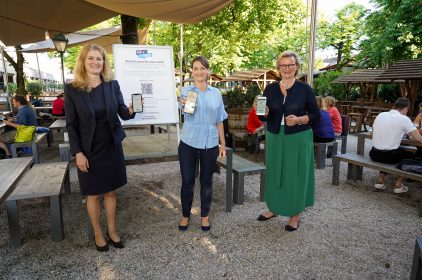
40,108
58,124
11,170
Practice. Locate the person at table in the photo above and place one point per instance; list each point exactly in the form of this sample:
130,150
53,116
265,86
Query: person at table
26,116
58,106
290,178
93,103
202,130
254,126
335,116
387,133
323,128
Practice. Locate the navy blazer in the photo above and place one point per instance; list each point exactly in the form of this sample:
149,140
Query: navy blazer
80,115
300,101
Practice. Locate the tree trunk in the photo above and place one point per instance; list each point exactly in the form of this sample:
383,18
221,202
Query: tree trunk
18,65
339,54
129,29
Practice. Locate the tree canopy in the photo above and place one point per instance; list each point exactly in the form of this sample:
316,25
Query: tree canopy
394,32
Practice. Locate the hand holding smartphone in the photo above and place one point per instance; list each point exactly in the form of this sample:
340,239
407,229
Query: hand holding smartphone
137,103
261,105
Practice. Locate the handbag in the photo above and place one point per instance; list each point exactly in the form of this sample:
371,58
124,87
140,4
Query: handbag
25,133
410,165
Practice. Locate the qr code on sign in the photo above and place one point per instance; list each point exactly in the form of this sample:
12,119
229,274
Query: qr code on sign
146,88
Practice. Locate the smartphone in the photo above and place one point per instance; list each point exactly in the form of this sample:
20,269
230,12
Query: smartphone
137,103
261,105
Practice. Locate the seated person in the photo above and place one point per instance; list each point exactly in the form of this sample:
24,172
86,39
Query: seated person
418,119
37,102
330,103
255,126
58,106
26,116
387,132
323,129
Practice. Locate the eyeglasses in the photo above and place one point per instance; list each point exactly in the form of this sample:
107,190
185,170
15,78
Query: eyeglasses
286,66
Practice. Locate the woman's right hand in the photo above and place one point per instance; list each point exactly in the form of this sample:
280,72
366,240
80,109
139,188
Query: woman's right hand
267,110
82,162
182,101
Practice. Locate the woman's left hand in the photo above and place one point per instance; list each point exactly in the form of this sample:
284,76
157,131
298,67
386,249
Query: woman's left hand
291,120
222,152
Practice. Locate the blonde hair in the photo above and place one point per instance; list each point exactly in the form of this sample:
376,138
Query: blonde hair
288,54
80,76
320,102
330,101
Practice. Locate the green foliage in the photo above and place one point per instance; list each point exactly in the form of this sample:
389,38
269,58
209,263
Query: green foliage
12,87
246,34
394,32
344,33
323,85
35,88
236,98
389,92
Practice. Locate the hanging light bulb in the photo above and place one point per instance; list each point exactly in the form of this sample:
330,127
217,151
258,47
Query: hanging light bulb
47,36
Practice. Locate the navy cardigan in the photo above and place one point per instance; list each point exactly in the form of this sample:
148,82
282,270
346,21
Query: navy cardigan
300,101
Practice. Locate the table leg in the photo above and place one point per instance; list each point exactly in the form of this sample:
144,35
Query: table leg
14,229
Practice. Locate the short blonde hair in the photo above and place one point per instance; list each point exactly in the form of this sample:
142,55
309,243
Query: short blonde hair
80,76
330,101
288,54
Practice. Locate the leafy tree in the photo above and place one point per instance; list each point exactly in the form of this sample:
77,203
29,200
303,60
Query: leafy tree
35,88
246,34
394,31
18,66
344,33
323,85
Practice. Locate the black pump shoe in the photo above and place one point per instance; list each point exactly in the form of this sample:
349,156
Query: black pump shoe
206,228
262,218
102,248
290,228
118,244
184,228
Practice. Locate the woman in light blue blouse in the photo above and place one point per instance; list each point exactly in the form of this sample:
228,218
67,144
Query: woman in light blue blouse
202,131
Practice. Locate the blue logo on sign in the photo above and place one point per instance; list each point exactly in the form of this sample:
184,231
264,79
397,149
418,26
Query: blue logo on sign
143,54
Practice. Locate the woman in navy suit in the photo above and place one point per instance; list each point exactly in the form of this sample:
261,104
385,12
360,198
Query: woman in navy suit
93,103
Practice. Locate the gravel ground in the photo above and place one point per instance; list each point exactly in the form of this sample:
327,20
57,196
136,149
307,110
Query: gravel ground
352,232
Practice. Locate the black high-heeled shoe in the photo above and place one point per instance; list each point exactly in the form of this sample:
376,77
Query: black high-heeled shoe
291,228
206,228
104,248
118,244
262,218
184,228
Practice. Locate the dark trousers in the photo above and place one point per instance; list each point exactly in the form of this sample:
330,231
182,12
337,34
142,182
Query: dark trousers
390,156
207,161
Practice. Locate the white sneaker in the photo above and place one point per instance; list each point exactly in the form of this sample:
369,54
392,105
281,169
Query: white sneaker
402,189
379,186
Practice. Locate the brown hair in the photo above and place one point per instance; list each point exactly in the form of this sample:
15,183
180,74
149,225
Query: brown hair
201,60
79,73
288,54
21,99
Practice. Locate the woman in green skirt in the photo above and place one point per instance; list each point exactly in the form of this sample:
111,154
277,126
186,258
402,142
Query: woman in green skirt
291,108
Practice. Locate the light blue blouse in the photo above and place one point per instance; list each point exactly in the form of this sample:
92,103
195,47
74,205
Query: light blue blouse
200,128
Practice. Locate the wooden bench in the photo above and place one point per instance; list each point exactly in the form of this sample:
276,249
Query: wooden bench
42,180
240,167
321,152
343,139
356,162
11,170
58,124
32,144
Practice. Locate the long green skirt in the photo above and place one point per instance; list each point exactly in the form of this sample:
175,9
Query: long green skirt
290,174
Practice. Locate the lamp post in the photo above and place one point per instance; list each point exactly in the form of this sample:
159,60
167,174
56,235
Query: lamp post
60,43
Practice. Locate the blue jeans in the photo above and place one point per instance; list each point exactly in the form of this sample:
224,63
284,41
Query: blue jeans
188,157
